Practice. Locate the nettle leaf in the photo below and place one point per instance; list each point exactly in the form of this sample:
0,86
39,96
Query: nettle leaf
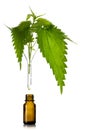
21,35
53,47
41,23
51,42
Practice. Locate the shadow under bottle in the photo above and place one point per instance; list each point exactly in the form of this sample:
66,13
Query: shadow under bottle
29,110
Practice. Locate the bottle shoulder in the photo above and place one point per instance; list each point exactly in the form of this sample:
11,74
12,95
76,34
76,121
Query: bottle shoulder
29,103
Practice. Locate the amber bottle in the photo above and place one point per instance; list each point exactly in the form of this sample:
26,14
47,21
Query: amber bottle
29,110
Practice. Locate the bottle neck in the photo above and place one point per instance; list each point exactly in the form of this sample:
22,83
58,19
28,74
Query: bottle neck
29,97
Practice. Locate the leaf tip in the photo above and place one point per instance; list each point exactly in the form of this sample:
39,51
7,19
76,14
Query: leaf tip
61,90
8,27
20,65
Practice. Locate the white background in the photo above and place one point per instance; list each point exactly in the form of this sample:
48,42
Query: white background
54,111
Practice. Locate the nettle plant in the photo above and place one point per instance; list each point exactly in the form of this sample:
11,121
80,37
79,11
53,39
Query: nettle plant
51,42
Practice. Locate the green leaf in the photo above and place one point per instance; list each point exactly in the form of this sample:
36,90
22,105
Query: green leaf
53,47
21,35
41,23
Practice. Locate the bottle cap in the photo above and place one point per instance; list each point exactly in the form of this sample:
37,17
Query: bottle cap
29,97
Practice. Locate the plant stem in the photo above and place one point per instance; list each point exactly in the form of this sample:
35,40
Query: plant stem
29,65
30,47
27,72
29,59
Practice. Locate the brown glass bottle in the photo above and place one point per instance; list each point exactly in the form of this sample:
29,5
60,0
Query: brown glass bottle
29,110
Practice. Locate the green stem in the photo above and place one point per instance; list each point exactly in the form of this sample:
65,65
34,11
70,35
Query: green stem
29,65
27,72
